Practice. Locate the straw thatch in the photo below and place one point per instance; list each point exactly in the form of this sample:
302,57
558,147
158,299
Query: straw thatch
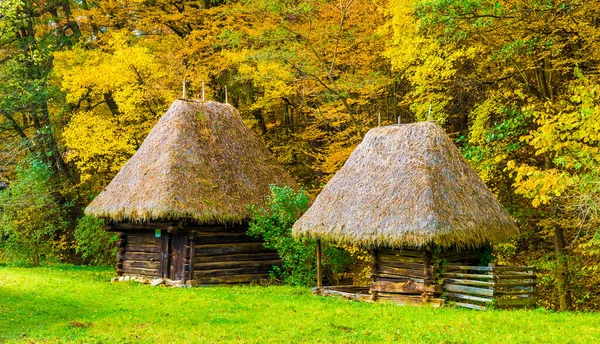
199,162
406,185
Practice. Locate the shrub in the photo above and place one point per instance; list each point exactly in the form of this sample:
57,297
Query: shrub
94,243
274,224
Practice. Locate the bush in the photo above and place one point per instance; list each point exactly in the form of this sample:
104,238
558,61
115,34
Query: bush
274,224
94,243
32,216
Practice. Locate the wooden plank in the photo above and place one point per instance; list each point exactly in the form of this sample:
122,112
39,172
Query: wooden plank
226,249
460,275
236,257
233,279
468,290
469,282
236,264
387,259
472,268
468,297
470,305
403,287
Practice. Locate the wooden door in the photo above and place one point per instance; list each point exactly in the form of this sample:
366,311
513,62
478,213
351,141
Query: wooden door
173,255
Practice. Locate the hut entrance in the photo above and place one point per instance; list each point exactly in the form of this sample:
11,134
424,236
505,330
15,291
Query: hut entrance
173,255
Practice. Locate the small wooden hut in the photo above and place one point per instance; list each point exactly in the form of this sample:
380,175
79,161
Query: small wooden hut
407,194
180,204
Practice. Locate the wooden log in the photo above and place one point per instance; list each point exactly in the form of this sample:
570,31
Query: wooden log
224,237
233,279
468,297
141,256
262,269
410,287
236,257
226,249
236,264
141,264
150,273
143,248
402,264
398,279
402,252
468,290
403,272
384,258
133,239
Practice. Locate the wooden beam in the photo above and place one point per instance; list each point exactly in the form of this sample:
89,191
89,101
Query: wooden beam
410,287
319,267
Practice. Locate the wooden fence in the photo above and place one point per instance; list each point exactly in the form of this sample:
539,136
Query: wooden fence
480,287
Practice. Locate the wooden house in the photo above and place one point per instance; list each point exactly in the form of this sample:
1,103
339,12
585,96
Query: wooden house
407,194
180,204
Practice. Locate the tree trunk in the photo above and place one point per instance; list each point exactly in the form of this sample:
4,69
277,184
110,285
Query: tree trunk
562,269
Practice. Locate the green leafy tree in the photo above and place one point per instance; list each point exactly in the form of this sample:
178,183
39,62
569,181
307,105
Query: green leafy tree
31,217
274,224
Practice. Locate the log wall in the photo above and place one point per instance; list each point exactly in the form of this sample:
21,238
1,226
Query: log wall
226,255
139,254
206,254
409,274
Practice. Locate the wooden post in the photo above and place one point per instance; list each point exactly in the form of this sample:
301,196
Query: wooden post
319,268
226,100
203,90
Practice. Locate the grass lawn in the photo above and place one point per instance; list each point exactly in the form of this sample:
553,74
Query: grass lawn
77,304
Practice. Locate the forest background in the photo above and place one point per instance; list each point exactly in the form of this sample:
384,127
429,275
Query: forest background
515,83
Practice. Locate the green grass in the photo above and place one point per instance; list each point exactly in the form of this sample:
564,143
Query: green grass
75,304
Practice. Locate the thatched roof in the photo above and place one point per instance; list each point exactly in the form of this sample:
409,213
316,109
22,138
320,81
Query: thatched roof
199,162
406,185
